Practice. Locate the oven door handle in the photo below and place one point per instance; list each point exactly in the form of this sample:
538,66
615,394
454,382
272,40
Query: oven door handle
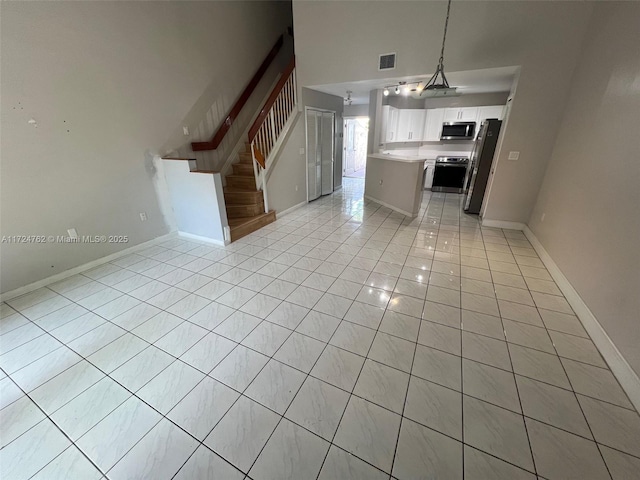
458,165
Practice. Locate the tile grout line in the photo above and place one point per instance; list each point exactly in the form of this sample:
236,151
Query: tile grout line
133,394
47,417
351,394
406,396
462,369
521,415
352,301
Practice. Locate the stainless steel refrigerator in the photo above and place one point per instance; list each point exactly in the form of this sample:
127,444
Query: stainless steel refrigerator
477,176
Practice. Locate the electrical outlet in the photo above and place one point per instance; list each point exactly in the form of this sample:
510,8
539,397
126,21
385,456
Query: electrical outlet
72,233
296,188
542,217
301,151
185,130
514,155
143,216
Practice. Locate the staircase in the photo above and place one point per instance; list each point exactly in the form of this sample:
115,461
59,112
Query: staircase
244,202
245,192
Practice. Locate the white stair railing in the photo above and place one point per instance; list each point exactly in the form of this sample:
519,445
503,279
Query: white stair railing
268,131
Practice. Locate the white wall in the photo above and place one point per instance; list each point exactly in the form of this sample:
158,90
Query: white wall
471,100
544,38
468,100
591,189
197,200
108,83
356,110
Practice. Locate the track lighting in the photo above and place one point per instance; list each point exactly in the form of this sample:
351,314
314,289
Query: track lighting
385,92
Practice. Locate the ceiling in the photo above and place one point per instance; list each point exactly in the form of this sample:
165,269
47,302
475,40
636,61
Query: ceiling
488,80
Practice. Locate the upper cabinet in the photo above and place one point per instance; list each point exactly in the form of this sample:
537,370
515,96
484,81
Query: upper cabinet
410,125
493,111
462,114
417,125
433,124
389,124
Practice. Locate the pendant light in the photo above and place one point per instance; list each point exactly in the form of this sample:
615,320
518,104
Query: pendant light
435,86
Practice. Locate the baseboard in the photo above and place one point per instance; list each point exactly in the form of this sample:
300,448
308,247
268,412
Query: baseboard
627,377
385,204
290,209
502,224
199,238
83,268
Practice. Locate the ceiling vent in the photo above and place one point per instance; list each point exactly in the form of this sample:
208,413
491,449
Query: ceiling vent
387,61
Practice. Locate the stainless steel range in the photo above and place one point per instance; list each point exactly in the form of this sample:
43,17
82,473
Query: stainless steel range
448,175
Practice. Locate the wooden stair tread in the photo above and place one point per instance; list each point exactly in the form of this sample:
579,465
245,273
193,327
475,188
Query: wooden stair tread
229,189
244,226
244,210
243,169
244,202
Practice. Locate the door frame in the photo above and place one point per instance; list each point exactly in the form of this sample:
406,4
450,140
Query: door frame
306,143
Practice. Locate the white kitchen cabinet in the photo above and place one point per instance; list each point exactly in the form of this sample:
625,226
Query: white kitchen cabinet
410,125
491,111
429,168
392,132
389,124
433,124
451,115
462,114
468,114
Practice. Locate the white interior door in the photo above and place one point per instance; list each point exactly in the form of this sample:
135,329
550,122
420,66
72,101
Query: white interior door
349,157
327,151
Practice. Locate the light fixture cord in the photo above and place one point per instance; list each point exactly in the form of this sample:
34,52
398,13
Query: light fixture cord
444,36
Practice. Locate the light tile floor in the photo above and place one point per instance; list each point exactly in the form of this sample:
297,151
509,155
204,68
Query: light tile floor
342,341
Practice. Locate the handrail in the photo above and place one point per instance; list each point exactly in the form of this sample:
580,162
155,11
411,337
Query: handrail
237,107
270,128
262,116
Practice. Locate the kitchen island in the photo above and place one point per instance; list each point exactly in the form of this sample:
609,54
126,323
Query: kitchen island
395,181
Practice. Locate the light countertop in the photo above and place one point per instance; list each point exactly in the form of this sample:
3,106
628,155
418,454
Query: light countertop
400,158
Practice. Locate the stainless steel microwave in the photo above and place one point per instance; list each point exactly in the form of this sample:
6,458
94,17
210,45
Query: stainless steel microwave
458,131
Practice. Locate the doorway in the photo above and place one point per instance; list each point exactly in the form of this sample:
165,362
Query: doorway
356,132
